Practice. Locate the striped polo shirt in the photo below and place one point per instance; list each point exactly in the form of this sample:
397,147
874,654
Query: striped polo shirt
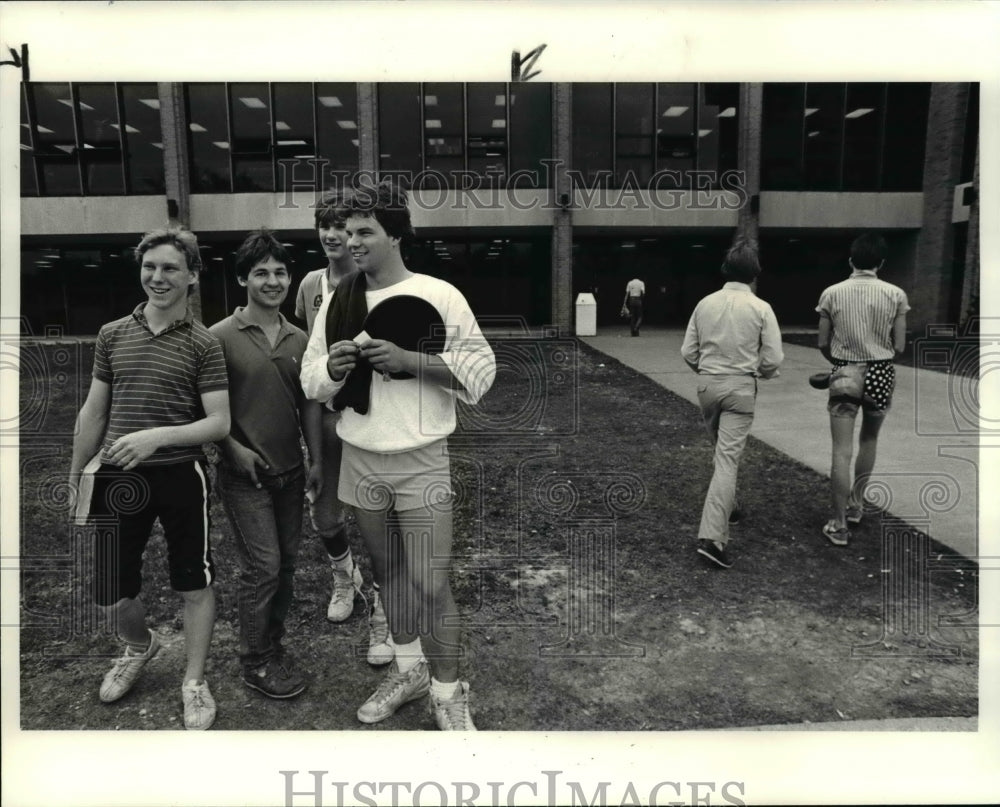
157,379
861,310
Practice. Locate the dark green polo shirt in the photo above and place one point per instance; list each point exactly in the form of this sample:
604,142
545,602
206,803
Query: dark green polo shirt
265,394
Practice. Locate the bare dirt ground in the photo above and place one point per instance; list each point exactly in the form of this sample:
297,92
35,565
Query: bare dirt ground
579,488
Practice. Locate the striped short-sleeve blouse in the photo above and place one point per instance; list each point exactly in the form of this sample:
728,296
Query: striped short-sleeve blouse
861,310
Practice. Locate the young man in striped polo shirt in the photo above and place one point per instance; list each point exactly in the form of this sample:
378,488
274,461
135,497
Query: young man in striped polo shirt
862,326
159,391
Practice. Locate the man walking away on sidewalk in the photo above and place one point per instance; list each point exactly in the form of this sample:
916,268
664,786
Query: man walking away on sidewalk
635,291
732,339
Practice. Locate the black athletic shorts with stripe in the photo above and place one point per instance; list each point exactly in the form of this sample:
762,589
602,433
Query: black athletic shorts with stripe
124,507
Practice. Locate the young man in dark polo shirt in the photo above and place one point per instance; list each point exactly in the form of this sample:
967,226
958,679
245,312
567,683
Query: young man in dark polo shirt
262,477
159,392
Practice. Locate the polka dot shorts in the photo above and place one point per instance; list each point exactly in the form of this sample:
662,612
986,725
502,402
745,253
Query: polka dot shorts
880,381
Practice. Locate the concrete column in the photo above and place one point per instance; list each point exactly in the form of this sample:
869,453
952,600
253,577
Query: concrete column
932,275
748,156
173,122
562,215
174,125
368,127
970,282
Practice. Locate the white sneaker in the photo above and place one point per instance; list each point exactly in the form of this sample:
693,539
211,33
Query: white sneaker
396,689
453,714
346,586
380,647
126,670
199,706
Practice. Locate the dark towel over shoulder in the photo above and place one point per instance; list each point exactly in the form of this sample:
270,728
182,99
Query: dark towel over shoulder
345,319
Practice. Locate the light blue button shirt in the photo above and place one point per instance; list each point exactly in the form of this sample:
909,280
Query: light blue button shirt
733,332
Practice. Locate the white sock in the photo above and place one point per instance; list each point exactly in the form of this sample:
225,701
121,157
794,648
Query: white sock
444,692
409,655
343,564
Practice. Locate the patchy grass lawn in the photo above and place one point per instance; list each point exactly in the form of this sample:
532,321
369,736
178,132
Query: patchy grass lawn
579,489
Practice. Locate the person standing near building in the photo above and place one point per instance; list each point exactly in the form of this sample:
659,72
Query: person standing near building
395,471
325,509
732,339
262,479
635,292
159,392
862,326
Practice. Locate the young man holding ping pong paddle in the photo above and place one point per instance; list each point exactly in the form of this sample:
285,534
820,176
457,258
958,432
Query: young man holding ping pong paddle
393,349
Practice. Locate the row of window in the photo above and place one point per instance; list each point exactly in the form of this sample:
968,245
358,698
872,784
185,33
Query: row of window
252,137
91,139
654,128
463,135
844,137
105,139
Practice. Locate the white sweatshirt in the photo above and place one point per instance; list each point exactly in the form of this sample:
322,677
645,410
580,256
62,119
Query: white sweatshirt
405,414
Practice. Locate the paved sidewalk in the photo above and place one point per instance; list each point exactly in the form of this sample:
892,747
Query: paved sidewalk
927,466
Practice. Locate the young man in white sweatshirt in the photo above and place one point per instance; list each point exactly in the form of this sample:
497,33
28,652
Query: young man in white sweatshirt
395,471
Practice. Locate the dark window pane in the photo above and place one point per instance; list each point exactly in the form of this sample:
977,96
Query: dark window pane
337,131
498,277
103,171
824,136
487,129
905,131
718,129
676,138
29,185
592,135
208,138
633,132
781,137
294,145
55,140
530,127
400,128
444,113
865,109
143,138
250,118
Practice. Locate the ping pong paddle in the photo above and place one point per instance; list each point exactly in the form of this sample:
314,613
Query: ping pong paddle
409,322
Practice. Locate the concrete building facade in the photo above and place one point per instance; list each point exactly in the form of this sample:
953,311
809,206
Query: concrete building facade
523,194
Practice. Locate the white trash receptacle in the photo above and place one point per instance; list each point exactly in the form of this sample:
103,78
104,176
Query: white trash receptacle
586,314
